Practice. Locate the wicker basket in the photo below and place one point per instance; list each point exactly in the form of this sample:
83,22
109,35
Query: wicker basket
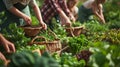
74,31
31,31
51,46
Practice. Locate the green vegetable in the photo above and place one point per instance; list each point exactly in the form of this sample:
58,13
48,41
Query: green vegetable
22,59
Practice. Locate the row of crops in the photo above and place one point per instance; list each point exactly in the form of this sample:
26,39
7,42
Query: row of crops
97,46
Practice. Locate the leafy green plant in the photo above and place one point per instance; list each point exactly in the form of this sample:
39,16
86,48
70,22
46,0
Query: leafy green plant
114,25
34,21
68,60
76,24
27,58
104,55
16,35
95,26
78,43
112,36
49,35
59,30
1,63
31,48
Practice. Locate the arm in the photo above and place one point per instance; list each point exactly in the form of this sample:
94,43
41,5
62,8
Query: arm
15,11
7,45
64,20
101,14
98,12
58,10
38,15
18,13
2,57
63,5
76,12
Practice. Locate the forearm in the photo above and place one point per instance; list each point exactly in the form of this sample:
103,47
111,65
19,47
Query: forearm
98,15
102,16
1,39
37,13
63,15
2,57
101,19
16,12
96,11
63,5
56,7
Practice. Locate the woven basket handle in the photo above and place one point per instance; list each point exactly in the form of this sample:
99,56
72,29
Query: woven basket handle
71,31
38,37
52,33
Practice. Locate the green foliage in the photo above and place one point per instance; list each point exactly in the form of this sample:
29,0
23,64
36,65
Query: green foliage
16,35
76,24
115,54
29,59
111,36
111,11
68,60
112,16
46,61
95,26
59,30
114,25
49,36
104,55
78,43
103,42
31,48
34,21
1,63
23,59
99,59
2,17
39,2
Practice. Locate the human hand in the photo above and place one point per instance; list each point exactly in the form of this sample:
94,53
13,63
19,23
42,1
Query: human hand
2,57
68,23
27,19
65,22
72,18
9,47
103,21
44,26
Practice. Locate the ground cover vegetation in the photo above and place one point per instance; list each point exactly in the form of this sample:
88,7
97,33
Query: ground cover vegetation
98,46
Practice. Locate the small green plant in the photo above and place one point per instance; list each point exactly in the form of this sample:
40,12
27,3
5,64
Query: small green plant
78,43
31,48
16,35
76,24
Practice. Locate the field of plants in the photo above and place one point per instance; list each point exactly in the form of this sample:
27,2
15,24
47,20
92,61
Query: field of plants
98,45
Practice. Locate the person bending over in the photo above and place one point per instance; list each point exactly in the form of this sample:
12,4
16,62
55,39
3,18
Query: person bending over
91,7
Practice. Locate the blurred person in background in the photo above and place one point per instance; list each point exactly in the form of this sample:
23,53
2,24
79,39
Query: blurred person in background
51,8
91,7
72,6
